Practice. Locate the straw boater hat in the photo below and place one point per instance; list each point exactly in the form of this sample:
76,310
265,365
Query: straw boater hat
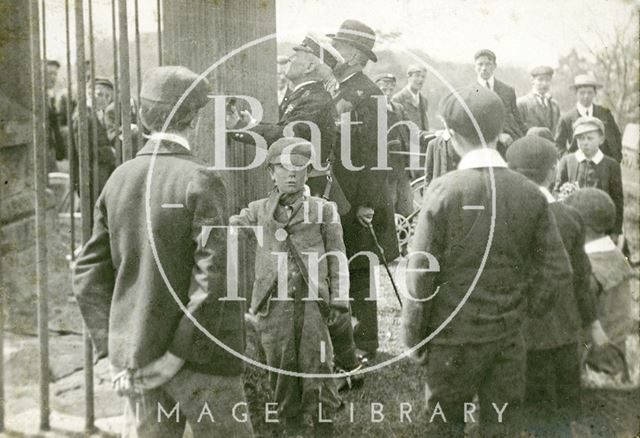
585,80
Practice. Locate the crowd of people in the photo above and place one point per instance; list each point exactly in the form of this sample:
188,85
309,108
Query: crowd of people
515,261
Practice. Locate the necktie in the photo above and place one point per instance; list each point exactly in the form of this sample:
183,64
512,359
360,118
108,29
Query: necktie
488,85
589,178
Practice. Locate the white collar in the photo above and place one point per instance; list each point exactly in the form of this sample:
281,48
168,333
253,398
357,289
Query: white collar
491,81
172,137
599,245
482,157
297,87
349,77
580,156
547,194
584,110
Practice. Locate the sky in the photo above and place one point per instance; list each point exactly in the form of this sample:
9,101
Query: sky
522,32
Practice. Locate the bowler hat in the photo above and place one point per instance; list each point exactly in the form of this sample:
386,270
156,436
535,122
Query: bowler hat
290,151
358,35
585,80
485,106
541,70
167,84
587,124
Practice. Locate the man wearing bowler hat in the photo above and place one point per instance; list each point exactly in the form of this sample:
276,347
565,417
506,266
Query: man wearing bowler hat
538,108
481,350
152,251
585,86
365,189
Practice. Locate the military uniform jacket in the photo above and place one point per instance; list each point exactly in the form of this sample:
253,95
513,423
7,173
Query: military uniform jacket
128,308
534,113
612,146
311,103
576,307
366,187
526,249
416,113
313,228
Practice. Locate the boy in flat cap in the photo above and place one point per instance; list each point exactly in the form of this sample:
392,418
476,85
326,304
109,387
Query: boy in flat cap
538,108
586,86
481,350
291,324
514,128
590,167
129,286
553,366
365,189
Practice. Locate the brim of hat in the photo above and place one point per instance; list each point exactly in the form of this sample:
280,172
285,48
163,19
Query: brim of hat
295,160
584,129
301,48
367,51
574,86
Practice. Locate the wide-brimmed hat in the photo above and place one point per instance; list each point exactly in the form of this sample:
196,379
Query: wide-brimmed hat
586,80
358,35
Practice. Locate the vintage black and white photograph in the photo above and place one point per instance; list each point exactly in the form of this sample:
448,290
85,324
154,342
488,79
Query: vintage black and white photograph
320,218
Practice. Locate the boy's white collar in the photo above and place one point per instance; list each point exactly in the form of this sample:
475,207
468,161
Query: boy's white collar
597,158
602,244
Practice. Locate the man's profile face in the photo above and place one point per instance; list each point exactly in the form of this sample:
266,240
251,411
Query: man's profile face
298,65
541,84
485,67
416,80
387,87
52,76
104,96
586,95
281,73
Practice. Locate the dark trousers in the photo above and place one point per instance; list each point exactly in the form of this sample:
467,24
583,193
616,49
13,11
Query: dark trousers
553,390
494,371
365,333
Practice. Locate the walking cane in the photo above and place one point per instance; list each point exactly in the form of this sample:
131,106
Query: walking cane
384,262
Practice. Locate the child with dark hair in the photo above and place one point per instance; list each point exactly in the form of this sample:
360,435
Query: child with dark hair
553,366
611,273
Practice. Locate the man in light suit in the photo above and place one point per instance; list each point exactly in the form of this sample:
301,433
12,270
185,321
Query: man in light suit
485,66
585,87
538,108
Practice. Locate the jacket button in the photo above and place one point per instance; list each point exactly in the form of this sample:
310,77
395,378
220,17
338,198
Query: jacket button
281,234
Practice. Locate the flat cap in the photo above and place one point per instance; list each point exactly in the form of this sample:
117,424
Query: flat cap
595,206
485,106
102,81
416,68
541,70
585,80
320,49
167,84
485,52
587,124
386,77
532,156
290,151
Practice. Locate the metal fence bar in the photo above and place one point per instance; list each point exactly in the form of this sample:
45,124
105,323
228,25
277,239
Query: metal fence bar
85,195
94,120
71,138
159,21
39,133
116,84
125,90
138,76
